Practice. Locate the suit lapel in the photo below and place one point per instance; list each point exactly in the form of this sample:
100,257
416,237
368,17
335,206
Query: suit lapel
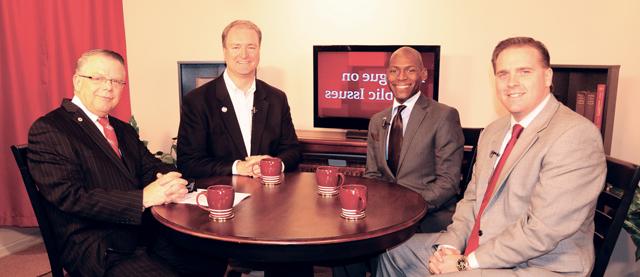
80,118
127,154
260,114
418,114
382,141
228,115
495,144
528,137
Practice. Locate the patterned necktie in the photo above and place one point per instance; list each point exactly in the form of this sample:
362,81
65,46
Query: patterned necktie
395,141
110,134
474,238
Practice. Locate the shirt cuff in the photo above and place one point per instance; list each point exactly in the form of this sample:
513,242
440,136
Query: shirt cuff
441,246
234,169
473,262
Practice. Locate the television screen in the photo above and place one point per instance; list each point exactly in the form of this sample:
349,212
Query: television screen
350,83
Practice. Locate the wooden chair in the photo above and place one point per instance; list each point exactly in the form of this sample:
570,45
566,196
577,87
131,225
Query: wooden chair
471,136
39,204
611,210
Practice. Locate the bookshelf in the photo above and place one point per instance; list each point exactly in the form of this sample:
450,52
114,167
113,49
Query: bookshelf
573,84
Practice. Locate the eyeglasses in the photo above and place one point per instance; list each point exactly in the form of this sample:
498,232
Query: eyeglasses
103,80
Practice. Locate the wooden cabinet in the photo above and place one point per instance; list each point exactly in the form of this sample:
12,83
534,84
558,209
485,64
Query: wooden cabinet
572,82
332,148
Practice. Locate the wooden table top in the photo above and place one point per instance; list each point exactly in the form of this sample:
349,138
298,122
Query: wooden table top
293,214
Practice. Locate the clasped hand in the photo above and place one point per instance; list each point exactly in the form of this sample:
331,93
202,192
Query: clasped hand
167,188
250,166
444,260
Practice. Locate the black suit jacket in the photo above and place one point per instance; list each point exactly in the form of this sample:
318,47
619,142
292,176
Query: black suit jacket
210,140
95,197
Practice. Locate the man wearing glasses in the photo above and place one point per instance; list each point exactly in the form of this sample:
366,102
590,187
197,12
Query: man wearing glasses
99,179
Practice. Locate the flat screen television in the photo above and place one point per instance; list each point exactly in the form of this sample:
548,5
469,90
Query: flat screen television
350,82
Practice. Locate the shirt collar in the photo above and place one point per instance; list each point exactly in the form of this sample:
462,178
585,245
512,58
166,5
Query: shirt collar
409,103
232,88
76,100
532,115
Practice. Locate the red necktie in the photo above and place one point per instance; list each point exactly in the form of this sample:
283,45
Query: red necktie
474,238
110,134
395,141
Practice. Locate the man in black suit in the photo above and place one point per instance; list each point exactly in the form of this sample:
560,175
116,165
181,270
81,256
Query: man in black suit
99,178
229,124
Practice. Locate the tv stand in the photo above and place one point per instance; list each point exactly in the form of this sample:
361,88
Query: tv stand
332,148
356,134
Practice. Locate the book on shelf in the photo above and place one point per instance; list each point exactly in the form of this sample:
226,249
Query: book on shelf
580,100
590,105
599,105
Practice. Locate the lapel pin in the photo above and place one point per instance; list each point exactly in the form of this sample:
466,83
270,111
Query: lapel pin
79,119
224,109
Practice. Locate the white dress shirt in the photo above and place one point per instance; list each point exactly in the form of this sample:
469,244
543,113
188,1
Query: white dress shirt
243,106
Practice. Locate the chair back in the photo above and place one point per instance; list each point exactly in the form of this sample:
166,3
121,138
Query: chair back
611,210
38,202
471,136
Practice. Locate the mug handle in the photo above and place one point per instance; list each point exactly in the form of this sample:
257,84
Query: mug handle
362,202
198,201
341,178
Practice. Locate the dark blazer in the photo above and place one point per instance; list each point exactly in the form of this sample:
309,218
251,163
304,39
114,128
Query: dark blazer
430,159
95,197
209,138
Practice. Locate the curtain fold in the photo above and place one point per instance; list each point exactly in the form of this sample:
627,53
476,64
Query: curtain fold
40,42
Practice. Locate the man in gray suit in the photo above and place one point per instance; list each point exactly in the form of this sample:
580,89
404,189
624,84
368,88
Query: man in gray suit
529,208
431,141
420,149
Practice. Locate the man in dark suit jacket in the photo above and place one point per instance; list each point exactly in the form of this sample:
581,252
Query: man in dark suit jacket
99,178
430,155
229,124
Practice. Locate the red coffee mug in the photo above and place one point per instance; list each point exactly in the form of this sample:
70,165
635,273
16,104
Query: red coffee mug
219,199
353,199
329,176
270,167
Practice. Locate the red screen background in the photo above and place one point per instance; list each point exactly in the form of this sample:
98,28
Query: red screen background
333,82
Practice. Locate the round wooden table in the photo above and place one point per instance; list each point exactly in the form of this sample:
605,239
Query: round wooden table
291,223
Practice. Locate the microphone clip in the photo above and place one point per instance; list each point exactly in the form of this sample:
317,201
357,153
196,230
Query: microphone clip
385,123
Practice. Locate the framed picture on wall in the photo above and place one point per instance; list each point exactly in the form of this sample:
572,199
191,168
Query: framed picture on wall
194,74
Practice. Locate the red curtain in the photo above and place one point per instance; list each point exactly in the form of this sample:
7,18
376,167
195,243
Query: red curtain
40,42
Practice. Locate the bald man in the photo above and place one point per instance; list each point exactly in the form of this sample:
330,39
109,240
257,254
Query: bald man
420,148
429,156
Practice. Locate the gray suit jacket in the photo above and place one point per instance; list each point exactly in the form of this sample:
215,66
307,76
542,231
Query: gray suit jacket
430,159
541,214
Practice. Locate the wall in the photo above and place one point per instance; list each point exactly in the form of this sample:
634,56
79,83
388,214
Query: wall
160,33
